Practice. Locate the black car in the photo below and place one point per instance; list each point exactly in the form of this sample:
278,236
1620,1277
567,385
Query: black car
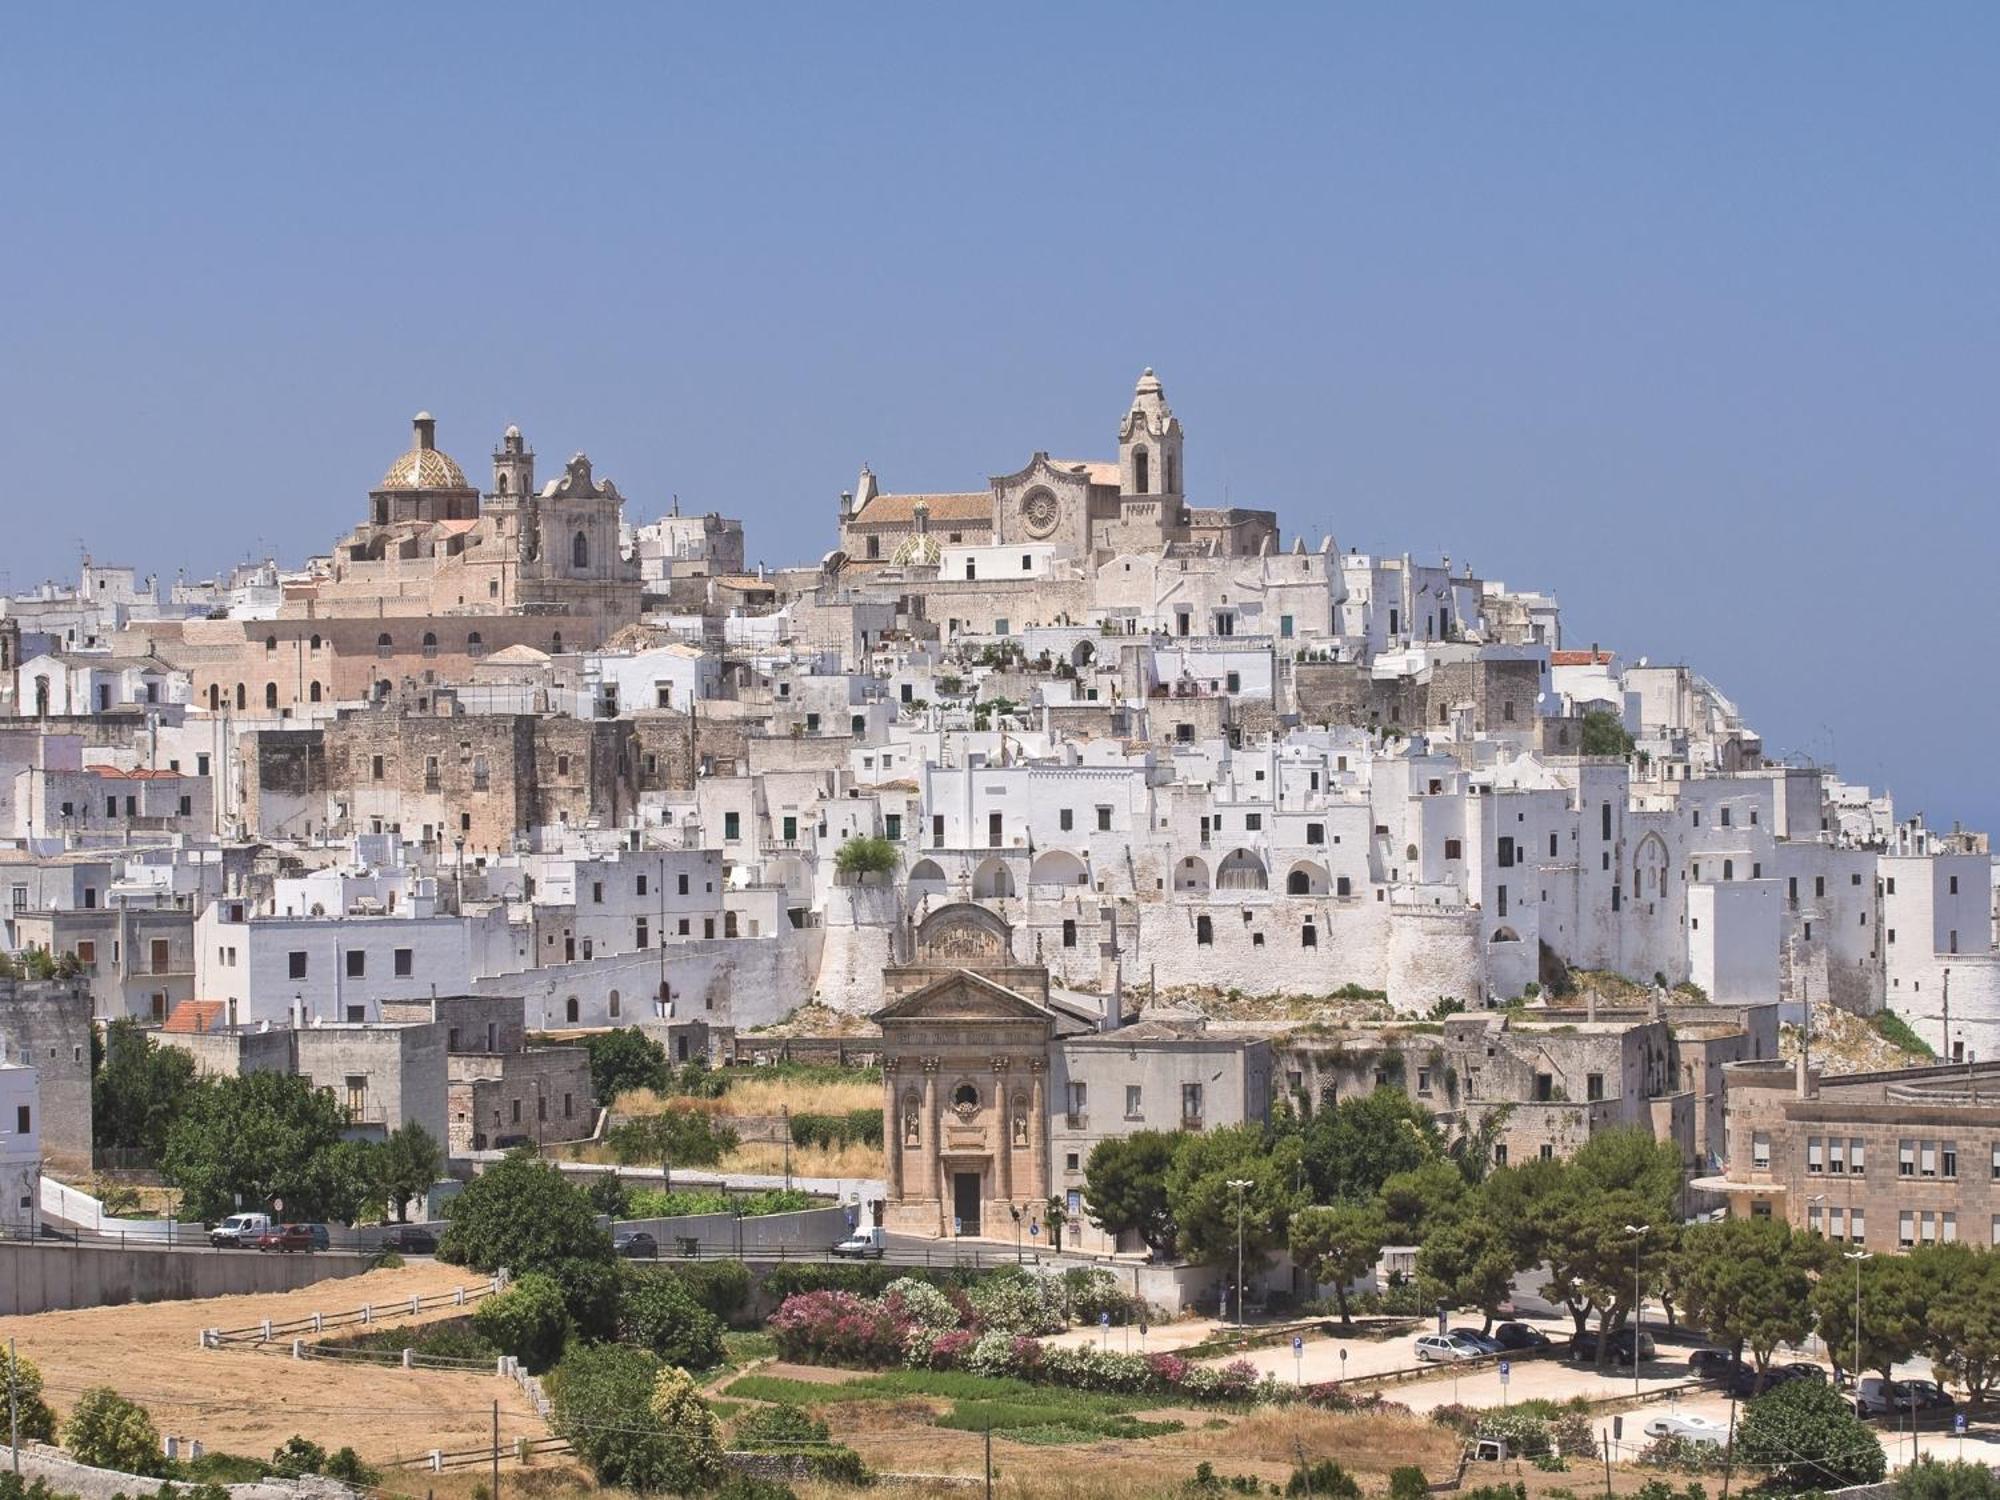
1484,1341
1519,1336
1584,1346
410,1239
637,1245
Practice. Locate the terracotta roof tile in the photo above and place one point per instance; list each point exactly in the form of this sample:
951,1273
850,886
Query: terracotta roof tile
901,510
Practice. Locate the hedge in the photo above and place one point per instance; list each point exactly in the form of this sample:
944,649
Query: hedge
854,1127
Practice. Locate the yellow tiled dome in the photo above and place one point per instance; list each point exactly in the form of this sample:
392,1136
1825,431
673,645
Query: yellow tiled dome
424,467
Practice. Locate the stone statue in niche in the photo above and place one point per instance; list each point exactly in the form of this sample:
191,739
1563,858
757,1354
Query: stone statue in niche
1020,1123
913,1130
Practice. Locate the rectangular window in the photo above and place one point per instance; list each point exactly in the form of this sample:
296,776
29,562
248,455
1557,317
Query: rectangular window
1132,1105
1857,1229
1504,853
1285,627
1906,1158
375,767
1069,932
680,885
1836,1157
1906,1228
1315,833
1593,1086
405,962
642,885
1452,848
1857,1164
892,827
1760,1150
1948,1159
296,965
1816,1155
1927,1159
1500,901
1191,1103
732,827
1104,821
1423,1080
357,963
1066,819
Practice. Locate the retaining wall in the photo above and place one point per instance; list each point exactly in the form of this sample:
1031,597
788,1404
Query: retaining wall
44,1277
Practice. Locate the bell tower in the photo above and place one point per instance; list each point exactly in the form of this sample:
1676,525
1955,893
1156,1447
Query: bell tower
1149,446
513,467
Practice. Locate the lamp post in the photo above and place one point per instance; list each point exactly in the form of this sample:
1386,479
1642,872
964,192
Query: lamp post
1240,1184
1857,1256
1638,1233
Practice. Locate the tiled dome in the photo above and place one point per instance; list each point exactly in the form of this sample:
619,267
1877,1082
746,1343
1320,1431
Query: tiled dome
424,467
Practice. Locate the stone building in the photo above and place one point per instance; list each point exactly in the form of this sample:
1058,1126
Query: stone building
46,1025
1888,1161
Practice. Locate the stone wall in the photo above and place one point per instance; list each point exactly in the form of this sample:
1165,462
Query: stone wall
47,1024
43,1277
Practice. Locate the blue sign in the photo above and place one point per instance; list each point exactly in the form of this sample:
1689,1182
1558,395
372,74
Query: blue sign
1506,1369
1958,1424
1104,1320
1298,1345
1033,1230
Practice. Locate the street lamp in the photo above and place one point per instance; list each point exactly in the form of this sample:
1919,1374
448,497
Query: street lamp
1240,1184
1638,1233
1857,1256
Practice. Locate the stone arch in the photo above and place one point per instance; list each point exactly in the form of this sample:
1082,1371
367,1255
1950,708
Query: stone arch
313,692
1650,855
992,881
1058,867
1306,878
1504,934
1082,654
579,552
1241,870
926,879
1191,874
571,1010
612,1004
270,695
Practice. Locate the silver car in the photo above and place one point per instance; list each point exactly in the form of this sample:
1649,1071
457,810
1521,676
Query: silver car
1444,1347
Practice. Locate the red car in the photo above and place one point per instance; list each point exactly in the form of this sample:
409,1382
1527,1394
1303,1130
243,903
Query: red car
289,1237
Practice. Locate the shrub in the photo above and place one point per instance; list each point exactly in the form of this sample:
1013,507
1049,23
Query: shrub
1092,1291
1526,1432
721,1286
1407,1482
602,1398
38,1422
660,1314
690,1426
740,1486
781,1426
1805,1436
1324,1478
865,856
530,1320
854,1127
1927,1479
921,1304
1016,1302
838,1328
685,1137
108,1432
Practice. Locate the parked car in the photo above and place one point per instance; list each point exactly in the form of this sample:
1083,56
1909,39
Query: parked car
638,1245
1689,1427
1714,1364
1485,1342
1798,1369
1445,1347
863,1244
1521,1336
239,1231
410,1239
291,1237
1876,1397
1584,1346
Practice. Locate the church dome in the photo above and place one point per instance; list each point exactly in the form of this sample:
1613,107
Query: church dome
918,550
425,466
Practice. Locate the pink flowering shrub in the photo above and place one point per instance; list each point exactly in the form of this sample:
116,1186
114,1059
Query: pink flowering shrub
838,1328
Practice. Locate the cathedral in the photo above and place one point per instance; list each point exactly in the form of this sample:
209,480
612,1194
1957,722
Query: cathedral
1083,512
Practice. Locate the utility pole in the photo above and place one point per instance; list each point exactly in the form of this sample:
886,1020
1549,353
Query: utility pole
1944,1048
496,1450
1638,1231
14,1405
989,1461
785,1113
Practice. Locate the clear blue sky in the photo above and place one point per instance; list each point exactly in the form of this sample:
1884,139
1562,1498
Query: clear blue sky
1686,313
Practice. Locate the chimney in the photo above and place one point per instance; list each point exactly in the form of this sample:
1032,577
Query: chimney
1110,978
1805,1076
425,428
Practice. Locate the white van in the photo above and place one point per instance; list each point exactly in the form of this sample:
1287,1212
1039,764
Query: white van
239,1231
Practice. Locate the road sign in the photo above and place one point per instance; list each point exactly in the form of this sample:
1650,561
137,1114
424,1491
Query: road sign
1506,1369
1104,1320
277,1205
1298,1345
1033,1230
1958,1424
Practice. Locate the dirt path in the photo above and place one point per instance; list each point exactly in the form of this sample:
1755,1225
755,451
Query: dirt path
239,1401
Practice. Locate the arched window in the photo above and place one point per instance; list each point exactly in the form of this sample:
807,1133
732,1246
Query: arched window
430,643
270,695
555,644
381,688
1142,471
613,1004
569,1010
503,490
270,643
475,644
1298,883
315,643
729,924
383,645
214,694
579,552
242,698
312,692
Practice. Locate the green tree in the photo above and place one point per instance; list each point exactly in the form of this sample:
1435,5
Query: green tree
1125,1187
37,1422
1466,1261
137,1089
691,1426
1962,1314
865,856
1353,1148
1205,1208
601,1395
530,1320
658,1313
1602,734
623,1059
1516,1198
1338,1246
262,1136
520,1213
406,1165
1591,1251
1895,1306
1927,1479
1748,1283
108,1432
1412,1201
1804,1435
609,1196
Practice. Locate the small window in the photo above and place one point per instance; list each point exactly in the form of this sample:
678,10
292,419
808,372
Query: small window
1069,932
297,965
357,963
1204,932
405,962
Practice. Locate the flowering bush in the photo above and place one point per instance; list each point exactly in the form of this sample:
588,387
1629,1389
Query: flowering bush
993,1354
921,1304
947,1351
1239,1380
838,1328
1020,1303
1333,1395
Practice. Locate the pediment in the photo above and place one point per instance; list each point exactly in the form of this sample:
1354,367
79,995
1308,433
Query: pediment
962,995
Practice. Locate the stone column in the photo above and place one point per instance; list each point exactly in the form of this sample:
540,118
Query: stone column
1038,1128
932,1184
892,1129
1003,1145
